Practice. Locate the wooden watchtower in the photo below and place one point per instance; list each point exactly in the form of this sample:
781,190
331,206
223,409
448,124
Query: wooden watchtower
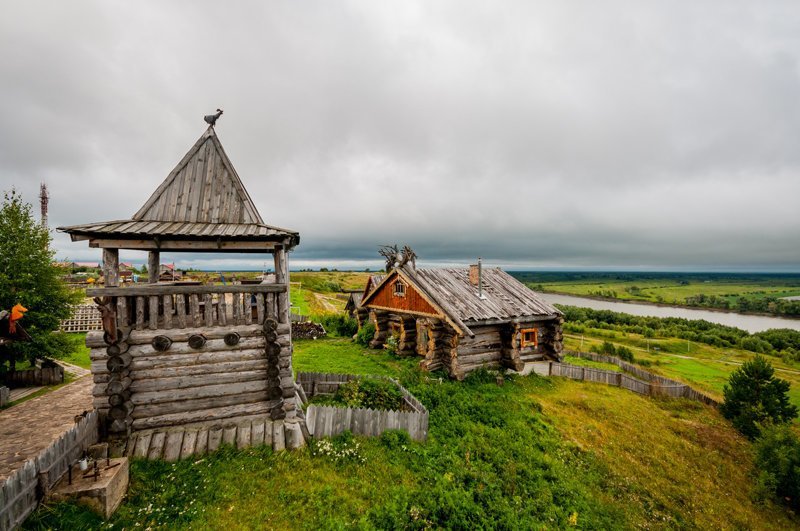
198,359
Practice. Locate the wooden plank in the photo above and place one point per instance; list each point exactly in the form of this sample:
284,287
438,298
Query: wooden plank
153,312
180,301
156,446
111,267
243,435
214,438
142,445
208,308
139,313
201,447
229,435
257,435
167,311
223,309
189,442
173,444
153,266
122,312
247,308
278,436
237,309
260,308
194,309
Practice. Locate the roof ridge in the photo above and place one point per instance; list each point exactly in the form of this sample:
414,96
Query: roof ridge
203,187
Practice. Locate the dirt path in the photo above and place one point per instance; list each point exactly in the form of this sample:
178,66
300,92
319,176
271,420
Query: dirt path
323,300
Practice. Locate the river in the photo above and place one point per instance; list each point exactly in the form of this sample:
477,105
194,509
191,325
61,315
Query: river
751,323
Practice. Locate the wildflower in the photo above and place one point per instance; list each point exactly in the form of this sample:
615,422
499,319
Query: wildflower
573,519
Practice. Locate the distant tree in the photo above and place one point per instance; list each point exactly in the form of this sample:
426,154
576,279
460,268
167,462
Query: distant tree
28,277
754,397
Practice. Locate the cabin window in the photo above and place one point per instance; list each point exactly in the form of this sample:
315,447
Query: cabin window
530,337
399,289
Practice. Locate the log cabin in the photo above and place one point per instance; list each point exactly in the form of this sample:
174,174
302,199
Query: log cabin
460,319
194,358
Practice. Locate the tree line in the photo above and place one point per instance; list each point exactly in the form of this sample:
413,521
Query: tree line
781,342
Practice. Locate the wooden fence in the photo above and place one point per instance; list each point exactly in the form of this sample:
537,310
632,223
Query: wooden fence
326,421
24,488
5,395
647,383
85,317
34,377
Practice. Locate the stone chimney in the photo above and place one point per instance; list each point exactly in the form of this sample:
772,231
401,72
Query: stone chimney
475,277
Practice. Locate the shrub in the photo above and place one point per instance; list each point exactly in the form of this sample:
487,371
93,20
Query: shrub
626,354
777,464
365,334
370,393
338,324
754,397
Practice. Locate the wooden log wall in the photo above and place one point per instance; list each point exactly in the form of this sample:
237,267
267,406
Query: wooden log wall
381,320
485,349
166,378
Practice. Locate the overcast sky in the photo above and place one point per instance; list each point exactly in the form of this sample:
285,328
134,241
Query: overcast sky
544,134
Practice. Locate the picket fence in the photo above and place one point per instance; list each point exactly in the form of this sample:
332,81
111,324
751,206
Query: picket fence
21,492
326,421
641,381
52,375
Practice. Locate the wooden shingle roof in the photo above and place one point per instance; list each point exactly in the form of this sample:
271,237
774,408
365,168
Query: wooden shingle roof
203,188
202,199
505,299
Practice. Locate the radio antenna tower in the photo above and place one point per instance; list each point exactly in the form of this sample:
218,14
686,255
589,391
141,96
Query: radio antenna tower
44,198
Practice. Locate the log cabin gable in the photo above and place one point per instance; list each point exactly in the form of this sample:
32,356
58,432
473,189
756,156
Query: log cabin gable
397,292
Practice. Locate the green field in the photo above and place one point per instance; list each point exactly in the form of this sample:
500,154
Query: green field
760,293
703,366
534,453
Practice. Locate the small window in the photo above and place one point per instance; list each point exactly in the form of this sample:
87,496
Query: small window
399,289
530,337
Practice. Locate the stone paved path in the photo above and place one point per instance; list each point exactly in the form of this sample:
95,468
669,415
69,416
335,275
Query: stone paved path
28,428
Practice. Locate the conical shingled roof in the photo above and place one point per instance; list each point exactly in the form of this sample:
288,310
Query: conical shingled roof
201,199
203,188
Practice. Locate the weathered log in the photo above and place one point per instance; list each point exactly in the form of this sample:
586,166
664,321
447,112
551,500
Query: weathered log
190,370
181,360
195,410
137,337
195,393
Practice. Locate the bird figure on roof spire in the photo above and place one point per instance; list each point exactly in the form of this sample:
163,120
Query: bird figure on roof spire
211,119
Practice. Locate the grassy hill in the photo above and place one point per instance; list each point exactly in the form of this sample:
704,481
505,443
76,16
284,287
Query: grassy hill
532,453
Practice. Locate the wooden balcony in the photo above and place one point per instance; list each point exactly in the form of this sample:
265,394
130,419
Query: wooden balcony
165,306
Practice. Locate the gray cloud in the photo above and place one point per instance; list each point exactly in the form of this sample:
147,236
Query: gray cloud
552,134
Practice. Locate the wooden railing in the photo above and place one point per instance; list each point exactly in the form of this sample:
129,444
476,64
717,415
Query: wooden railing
159,306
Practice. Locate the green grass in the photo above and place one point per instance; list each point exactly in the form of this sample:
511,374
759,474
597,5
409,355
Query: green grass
708,370
534,453
80,354
341,355
583,362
